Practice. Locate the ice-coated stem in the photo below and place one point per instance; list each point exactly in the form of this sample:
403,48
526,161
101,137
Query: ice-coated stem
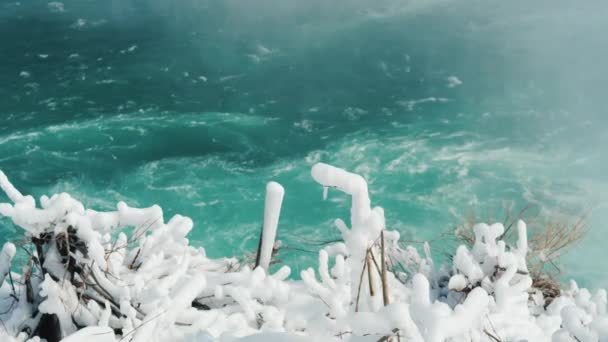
366,224
6,257
272,211
350,183
10,190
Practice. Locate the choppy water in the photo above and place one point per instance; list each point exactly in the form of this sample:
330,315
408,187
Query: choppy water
194,105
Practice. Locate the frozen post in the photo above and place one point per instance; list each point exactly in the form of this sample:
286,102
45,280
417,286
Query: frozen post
272,210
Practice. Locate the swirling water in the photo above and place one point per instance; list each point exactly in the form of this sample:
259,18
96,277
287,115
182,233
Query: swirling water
448,108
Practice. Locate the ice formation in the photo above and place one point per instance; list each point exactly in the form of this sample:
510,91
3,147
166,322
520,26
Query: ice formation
272,209
129,275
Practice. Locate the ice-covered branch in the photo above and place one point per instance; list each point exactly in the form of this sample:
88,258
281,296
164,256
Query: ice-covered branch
13,194
6,257
362,241
350,183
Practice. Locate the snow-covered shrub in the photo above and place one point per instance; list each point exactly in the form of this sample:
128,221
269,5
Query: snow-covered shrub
85,279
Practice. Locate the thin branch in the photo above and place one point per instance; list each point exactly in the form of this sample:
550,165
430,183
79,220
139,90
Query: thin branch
385,296
360,282
369,273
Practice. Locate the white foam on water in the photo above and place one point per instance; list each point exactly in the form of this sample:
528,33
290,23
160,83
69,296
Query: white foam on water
453,82
21,137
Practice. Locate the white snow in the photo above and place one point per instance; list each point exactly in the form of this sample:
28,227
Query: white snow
457,283
151,285
92,334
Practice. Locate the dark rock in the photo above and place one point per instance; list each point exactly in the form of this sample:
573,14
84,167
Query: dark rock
49,328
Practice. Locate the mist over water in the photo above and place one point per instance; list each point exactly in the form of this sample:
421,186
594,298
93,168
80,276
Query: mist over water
448,108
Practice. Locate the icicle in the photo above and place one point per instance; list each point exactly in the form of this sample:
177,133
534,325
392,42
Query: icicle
325,191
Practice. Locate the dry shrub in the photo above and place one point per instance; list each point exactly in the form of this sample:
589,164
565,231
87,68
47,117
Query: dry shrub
548,239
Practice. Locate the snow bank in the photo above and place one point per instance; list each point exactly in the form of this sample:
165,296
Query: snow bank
85,279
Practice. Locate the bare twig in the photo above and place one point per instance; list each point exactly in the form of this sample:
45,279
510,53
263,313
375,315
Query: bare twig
259,251
368,261
360,282
385,296
142,324
132,264
512,222
494,338
376,263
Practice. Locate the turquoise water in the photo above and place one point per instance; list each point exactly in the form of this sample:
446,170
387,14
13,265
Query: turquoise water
195,105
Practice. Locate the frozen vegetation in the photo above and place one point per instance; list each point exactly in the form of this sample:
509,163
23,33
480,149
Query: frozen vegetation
129,275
